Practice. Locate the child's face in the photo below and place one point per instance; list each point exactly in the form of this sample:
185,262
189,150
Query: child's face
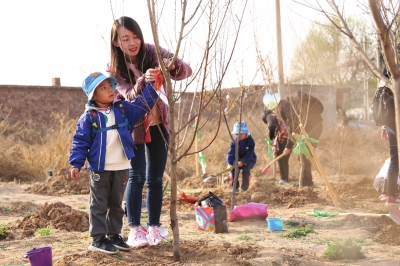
129,43
104,94
241,136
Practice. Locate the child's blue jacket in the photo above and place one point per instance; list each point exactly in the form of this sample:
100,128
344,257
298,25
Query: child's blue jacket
246,152
86,145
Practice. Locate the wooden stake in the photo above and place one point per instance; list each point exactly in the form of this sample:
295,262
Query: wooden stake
315,163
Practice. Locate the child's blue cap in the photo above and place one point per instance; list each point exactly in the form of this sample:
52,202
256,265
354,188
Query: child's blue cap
243,128
93,80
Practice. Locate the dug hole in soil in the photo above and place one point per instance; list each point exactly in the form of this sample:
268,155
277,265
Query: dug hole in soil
62,205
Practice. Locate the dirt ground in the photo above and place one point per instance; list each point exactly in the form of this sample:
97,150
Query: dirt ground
62,205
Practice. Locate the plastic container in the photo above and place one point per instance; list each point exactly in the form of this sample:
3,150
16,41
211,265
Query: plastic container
275,224
40,256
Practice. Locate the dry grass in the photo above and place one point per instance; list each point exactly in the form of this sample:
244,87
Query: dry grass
363,152
30,150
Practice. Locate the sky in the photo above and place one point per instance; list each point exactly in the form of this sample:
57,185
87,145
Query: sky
44,39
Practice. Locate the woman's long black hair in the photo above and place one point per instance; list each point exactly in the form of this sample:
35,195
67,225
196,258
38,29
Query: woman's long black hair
265,114
118,61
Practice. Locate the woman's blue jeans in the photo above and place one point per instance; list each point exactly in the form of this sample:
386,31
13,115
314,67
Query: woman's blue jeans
148,166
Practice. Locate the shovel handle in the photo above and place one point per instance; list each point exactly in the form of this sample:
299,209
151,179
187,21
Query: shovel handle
274,160
224,171
169,179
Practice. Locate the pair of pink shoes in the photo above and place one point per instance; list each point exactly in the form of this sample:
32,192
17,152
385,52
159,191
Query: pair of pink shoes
390,200
140,237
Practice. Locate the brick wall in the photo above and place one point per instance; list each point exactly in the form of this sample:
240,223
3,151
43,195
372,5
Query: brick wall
38,102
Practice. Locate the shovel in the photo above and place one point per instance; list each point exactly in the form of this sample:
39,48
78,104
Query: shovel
274,160
215,175
183,196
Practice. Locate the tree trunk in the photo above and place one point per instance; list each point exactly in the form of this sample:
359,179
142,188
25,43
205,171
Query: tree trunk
396,93
174,185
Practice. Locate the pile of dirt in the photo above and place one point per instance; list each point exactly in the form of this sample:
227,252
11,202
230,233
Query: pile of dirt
57,215
362,189
192,253
18,207
268,193
383,228
389,234
61,184
260,190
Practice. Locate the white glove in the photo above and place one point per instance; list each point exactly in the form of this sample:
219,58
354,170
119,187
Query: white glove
229,166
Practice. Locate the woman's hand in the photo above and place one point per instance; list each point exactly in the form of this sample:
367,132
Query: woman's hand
151,74
167,61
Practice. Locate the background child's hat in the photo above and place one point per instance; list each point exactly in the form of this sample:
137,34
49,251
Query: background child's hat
243,128
271,101
93,80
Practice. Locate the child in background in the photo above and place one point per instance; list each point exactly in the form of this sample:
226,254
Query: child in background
103,137
247,157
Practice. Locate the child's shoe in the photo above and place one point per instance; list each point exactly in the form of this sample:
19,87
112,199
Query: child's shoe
154,235
137,237
103,245
119,242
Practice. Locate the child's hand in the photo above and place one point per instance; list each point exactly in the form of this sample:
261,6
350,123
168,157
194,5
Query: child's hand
240,164
75,174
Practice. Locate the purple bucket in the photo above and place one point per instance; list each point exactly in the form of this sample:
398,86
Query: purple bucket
40,256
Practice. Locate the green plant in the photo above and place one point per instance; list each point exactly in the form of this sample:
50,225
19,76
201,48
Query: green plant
346,250
167,241
28,214
64,245
292,223
44,231
6,198
3,232
117,256
299,232
395,252
3,246
7,209
82,207
276,263
248,238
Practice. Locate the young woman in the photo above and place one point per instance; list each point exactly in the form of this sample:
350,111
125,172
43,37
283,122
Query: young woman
134,63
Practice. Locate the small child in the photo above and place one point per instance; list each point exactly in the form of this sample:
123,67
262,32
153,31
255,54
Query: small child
247,157
103,137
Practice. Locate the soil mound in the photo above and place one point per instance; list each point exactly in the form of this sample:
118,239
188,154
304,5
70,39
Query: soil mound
362,189
57,215
61,184
383,228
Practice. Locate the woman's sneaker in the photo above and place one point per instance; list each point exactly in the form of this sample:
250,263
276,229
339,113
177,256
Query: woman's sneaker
137,237
154,236
392,200
103,245
119,242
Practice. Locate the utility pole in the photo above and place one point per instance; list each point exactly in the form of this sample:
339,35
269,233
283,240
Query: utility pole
281,89
366,117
